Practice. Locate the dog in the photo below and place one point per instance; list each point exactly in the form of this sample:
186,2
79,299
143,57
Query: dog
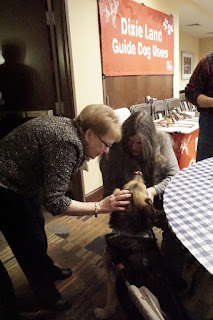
132,255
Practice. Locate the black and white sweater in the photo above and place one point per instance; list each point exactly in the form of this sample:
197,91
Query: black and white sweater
39,157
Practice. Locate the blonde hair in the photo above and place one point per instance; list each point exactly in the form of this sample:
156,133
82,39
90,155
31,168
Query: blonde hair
101,119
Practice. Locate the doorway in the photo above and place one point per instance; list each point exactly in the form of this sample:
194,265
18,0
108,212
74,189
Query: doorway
34,34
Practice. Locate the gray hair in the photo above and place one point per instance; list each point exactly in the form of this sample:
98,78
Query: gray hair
152,157
142,124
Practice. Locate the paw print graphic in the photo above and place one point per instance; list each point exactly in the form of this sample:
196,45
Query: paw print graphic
168,27
165,24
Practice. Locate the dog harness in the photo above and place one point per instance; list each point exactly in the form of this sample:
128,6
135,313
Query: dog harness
117,233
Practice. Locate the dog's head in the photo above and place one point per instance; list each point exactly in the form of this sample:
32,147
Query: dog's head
140,213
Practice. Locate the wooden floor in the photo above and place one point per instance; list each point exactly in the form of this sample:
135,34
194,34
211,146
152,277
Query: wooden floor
78,243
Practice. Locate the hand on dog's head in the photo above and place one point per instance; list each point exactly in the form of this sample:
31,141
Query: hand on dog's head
139,214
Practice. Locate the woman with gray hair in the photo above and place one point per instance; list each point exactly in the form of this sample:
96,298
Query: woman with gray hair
143,149
37,160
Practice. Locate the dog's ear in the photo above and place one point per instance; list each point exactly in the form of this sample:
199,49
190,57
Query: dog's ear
149,201
150,209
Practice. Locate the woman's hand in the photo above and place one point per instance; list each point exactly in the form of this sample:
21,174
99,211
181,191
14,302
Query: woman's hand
115,202
151,193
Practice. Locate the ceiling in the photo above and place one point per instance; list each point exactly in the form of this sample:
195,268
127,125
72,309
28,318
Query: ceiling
196,12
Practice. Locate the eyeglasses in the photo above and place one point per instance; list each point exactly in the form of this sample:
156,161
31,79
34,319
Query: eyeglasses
107,145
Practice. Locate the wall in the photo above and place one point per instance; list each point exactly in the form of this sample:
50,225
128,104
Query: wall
192,45
199,48
86,60
86,67
206,46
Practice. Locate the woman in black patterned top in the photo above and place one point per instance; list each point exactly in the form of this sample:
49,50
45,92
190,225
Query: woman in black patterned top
37,160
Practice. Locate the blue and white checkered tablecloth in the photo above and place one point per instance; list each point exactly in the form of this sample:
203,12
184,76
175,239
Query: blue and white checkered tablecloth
188,203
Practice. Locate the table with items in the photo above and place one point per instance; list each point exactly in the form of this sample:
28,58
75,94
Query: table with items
184,129
188,203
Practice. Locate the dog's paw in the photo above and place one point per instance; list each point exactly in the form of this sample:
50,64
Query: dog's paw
101,313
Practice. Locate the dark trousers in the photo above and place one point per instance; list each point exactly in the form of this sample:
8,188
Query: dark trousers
7,296
205,138
22,225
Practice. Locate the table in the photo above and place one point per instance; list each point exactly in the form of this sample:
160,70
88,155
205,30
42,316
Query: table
184,134
188,203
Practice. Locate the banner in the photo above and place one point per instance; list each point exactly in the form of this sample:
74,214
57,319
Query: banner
135,39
